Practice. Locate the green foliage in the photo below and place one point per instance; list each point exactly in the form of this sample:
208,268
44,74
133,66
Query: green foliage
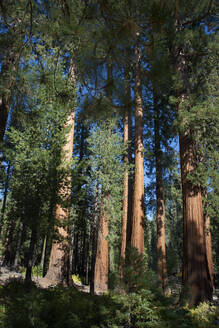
106,151
67,308
203,316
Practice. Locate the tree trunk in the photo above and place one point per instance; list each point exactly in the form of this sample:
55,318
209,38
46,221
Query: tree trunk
160,210
4,198
195,276
137,237
43,254
19,243
102,254
94,241
101,264
4,111
30,257
196,281
130,183
208,242
59,264
125,203
7,256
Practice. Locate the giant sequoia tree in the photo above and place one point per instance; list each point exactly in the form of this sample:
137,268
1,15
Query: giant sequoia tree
155,59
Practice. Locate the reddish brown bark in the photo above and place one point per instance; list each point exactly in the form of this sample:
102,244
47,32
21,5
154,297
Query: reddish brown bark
125,193
59,264
137,236
209,249
196,281
10,64
126,181
208,242
102,254
160,210
195,275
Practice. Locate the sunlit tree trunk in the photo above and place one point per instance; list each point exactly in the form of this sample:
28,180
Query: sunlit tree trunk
137,236
160,210
208,242
102,254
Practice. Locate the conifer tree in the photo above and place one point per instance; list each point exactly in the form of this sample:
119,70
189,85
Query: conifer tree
137,237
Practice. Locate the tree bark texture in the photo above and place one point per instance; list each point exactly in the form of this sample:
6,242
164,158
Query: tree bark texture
102,255
208,242
137,236
126,180
209,249
195,269
94,232
160,207
9,64
196,279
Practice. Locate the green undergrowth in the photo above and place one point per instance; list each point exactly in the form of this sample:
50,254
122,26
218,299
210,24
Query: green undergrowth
68,308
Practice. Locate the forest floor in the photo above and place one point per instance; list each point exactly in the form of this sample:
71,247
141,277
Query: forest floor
42,306
6,274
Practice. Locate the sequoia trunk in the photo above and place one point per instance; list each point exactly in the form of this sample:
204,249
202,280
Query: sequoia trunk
101,264
137,236
208,242
195,275
126,181
196,279
59,264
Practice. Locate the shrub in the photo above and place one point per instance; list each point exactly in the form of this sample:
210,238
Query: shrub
76,279
203,316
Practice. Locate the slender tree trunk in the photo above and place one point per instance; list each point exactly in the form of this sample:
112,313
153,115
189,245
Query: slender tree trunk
19,243
137,237
30,257
43,254
59,265
209,249
208,242
94,241
160,211
125,203
130,183
4,111
7,256
4,198
102,254
196,280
